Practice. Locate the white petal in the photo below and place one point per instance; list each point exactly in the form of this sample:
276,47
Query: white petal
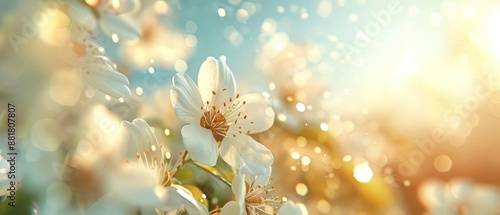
124,29
485,199
82,14
243,150
461,189
261,179
108,81
432,194
231,208
142,137
107,205
260,114
200,144
177,197
290,208
186,99
239,189
134,184
215,76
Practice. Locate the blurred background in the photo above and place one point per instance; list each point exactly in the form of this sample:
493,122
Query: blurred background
382,107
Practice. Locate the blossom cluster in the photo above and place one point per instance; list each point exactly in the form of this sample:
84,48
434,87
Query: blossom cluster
245,107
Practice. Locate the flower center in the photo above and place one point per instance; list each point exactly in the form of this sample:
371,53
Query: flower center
216,122
254,200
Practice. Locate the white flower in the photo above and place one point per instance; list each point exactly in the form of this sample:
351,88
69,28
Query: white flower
248,191
290,208
159,42
459,196
160,192
97,70
218,115
109,14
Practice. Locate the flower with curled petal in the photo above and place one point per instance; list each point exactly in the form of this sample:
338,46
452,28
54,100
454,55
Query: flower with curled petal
97,69
247,190
250,192
160,192
290,208
218,116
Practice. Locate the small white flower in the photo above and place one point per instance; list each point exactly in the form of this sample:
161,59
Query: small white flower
160,192
109,14
248,191
290,208
159,42
218,115
97,70
459,197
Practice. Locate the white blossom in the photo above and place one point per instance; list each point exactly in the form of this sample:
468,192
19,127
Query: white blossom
218,116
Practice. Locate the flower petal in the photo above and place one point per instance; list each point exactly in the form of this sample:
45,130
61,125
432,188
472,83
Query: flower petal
200,144
258,111
135,184
215,76
177,197
231,208
432,194
290,208
186,99
243,150
239,189
461,189
485,199
123,28
261,179
142,137
82,14
108,81
107,205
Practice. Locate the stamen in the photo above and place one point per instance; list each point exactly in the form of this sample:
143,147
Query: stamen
216,122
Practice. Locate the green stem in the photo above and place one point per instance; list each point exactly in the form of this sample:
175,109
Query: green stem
180,162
